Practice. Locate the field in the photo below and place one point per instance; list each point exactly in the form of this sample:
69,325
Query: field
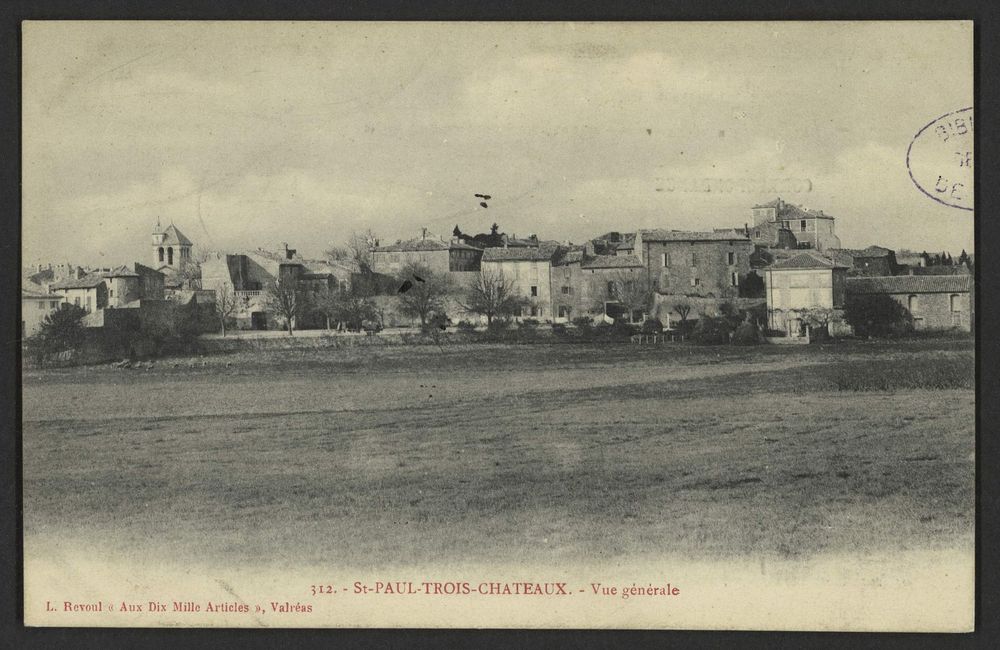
541,453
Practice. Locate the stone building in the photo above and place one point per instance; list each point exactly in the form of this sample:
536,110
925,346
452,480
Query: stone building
171,249
802,283
434,253
935,302
871,261
706,264
583,284
811,228
529,268
36,304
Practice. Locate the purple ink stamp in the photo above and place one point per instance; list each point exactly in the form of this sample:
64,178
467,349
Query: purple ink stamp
940,159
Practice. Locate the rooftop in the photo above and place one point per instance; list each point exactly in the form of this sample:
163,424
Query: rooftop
424,244
542,253
806,260
658,234
911,284
174,237
86,282
789,211
611,262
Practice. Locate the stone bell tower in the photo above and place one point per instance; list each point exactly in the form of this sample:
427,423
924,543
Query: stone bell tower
171,249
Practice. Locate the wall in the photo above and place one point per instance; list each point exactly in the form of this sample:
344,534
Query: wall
934,310
150,282
711,266
390,263
524,275
33,311
588,289
98,296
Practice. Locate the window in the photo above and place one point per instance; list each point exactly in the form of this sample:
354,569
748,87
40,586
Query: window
911,304
567,290
534,291
89,303
731,258
611,288
76,301
54,304
41,304
695,282
161,253
170,254
111,293
734,279
564,311
956,303
665,258
756,234
534,310
694,259
802,225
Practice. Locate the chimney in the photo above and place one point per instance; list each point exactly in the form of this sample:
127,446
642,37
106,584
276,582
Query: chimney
780,204
423,233
746,228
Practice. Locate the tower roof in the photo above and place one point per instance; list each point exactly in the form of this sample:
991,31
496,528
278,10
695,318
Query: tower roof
174,237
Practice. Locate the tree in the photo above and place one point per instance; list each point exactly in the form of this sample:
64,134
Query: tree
875,315
818,319
752,286
327,303
354,310
963,259
225,304
283,297
682,308
493,296
422,291
60,331
633,291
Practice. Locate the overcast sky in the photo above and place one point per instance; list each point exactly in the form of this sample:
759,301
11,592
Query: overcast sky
249,135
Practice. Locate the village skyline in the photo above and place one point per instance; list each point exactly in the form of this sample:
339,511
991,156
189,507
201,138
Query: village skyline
320,130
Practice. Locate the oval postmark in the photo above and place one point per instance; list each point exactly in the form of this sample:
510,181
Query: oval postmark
940,159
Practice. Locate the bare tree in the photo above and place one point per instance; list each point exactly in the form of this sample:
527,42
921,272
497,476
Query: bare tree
682,308
225,304
422,291
492,295
633,291
324,302
283,297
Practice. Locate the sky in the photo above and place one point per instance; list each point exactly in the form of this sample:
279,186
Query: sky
259,134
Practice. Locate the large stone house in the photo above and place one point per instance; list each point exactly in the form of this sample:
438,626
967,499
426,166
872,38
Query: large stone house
584,284
811,228
434,253
935,302
529,269
705,264
803,283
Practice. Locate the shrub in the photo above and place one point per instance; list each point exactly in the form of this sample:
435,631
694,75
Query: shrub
712,330
876,315
528,324
652,326
465,326
559,329
747,334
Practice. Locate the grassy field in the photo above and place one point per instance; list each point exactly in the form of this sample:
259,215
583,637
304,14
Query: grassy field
537,453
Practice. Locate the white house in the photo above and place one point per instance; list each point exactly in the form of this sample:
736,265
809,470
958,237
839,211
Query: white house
36,304
804,282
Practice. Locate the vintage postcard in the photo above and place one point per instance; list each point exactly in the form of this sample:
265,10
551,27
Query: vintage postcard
531,325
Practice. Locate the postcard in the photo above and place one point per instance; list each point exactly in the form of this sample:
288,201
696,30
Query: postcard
499,325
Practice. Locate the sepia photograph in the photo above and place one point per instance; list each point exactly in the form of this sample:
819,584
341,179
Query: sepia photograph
617,325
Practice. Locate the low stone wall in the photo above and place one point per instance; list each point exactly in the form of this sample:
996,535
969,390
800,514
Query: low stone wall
237,343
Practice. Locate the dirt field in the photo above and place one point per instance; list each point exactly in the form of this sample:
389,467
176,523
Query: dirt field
542,453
